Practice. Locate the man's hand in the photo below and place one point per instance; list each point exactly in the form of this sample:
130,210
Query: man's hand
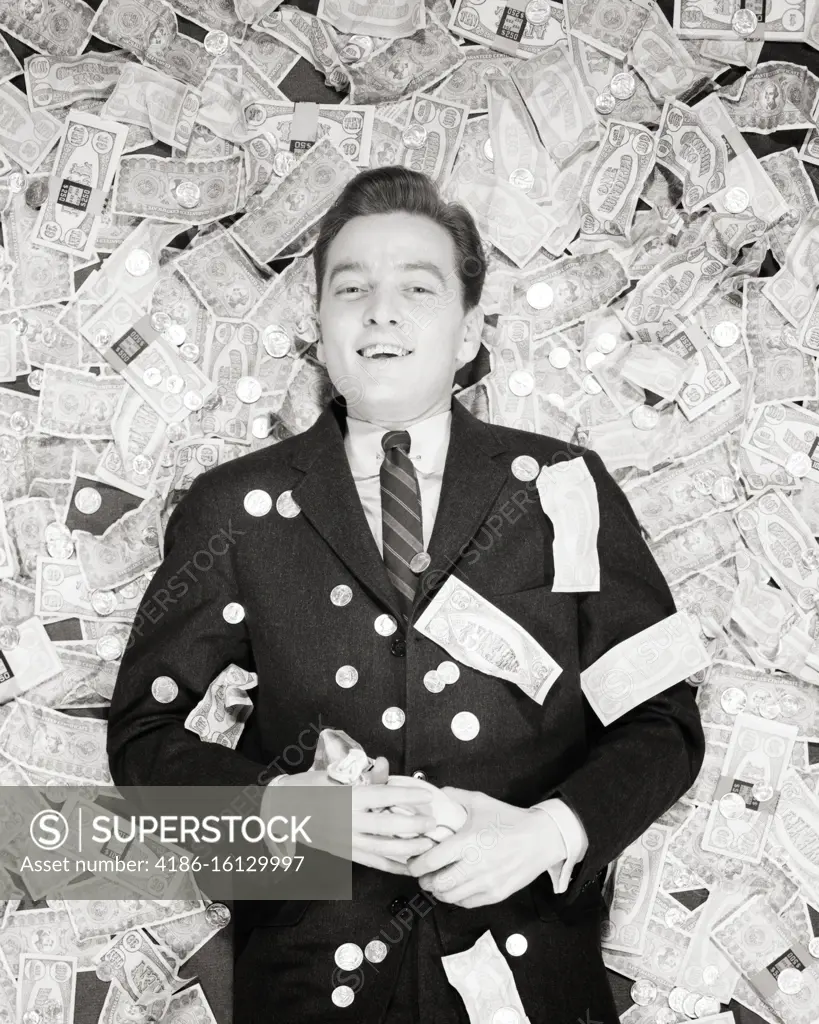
499,850
379,835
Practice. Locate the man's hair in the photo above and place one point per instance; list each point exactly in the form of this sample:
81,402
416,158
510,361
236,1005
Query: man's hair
394,188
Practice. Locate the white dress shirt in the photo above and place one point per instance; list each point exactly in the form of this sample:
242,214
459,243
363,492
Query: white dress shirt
429,441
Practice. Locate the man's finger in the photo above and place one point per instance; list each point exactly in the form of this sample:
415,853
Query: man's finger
392,847
444,853
386,824
365,797
380,772
372,860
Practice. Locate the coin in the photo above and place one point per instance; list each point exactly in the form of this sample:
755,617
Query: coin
393,718
790,981
420,561
260,425
233,612
347,676
9,637
283,161
733,700
676,998
604,102
731,805
710,975
217,914
449,672
88,500
103,601
744,22
665,1015
192,400
707,1005
622,86
465,725
593,358
175,333
690,1004
276,341
152,376
258,503
188,194
525,467
591,385
36,193
644,417
606,342
248,390
560,357
813,947
375,951
349,956
385,625
287,506
798,464
521,382
540,295
414,136
341,595
538,12
342,995
35,380
164,689
725,334
174,384
554,399
16,182
433,682
488,152
643,992
723,489
138,262
522,178
762,791
736,200
216,42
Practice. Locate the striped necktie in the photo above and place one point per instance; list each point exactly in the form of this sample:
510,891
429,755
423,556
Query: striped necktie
402,534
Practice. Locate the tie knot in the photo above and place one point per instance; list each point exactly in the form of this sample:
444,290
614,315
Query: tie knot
396,439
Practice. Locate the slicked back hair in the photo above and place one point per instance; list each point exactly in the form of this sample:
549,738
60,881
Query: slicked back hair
392,189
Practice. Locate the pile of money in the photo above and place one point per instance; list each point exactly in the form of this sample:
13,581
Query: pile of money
651,294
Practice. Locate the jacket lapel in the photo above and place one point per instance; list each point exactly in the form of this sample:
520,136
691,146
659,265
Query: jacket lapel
328,497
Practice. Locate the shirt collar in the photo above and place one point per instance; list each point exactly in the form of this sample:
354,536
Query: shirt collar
428,448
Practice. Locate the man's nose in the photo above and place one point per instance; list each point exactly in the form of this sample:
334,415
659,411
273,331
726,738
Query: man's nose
382,307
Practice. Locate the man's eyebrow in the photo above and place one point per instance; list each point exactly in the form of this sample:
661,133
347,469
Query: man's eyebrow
355,265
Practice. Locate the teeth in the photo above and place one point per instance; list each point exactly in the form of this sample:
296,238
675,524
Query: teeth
374,350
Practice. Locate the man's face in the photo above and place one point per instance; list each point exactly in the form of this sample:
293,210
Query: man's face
392,278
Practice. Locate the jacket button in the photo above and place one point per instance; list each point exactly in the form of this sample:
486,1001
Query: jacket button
399,647
420,775
398,904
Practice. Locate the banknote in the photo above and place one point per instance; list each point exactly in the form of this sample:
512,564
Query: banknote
793,288
273,58
211,14
692,151
385,22
711,19
511,361
140,968
794,831
645,664
34,660
809,335
77,404
221,714
790,176
504,29
107,910
763,948
58,81
130,343
467,84
636,881
64,32
554,96
193,192
87,160
127,549
782,371
46,980
612,26
185,934
443,124
232,352
616,179
761,693
309,37
746,795
782,430
708,383
480,635
514,140
776,533
25,136
568,496
154,100
777,96
569,289
295,127
697,547
809,150
10,66
292,204
221,275
661,59
483,978
664,950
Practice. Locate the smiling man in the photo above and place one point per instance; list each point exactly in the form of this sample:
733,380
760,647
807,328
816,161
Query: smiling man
366,515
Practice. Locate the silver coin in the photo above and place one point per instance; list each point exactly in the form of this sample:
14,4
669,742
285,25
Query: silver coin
341,595
449,672
349,956
103,601
376,951
188,194
676,997
192,400
723,489
414,136
216,42
813,947
248,390
385,625
725,334
233,613
260,425
770,709
152,376
517,944
606,342
420,561
733,700
465,725
160,321
790,981
622,85
744,22
393,718
540,295
433,682
645,417
560,357
707,1005
522,178
176,334
704,480
9,638
174,384
342,995
9,447
488,152
604,102
556,400
525,467
798,464
643,992
762,791
665,1015
35,380
287,506
346,676
276,341
731,805
710,975
591,385
217,914
36,193
164,689
110,647
189,351
283,162
258,503
138,262
736,200
538,12
88,500
16,182
690,1005
521,382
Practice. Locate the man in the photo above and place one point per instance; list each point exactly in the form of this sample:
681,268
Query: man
331,571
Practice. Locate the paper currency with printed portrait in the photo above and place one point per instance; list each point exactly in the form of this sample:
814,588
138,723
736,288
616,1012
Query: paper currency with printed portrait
308,36
692,151
467,84
794,837
782,371
759,689
59,81
660,59
709,382
86,163
574,287
711,19
25,136
697,547
151,186
483,978
221,275
151,99
505,30
789,174
384,21
475,632
612,26
77,404
58,27
779,430
348,127
777,96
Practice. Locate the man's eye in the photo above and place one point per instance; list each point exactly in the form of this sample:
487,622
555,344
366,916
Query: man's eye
350,287
421,288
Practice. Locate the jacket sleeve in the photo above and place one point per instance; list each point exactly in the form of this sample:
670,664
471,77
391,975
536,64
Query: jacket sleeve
180,632
641,764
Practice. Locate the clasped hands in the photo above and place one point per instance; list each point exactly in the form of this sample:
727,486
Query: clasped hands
498,850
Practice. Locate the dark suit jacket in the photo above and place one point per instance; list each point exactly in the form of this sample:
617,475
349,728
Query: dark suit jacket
490,531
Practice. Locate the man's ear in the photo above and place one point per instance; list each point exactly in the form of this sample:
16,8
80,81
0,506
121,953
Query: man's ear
471,341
